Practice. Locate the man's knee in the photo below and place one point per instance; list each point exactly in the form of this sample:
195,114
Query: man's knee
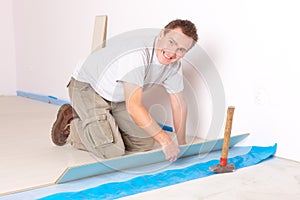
109,151
146,144
138,144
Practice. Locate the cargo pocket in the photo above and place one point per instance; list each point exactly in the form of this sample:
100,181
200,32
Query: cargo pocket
99,132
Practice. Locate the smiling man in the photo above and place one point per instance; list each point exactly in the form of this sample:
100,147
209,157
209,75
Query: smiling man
107,116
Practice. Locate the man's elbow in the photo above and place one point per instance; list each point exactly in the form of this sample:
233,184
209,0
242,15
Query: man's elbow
131,108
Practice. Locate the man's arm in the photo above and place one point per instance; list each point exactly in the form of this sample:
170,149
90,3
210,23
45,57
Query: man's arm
179,112
134,106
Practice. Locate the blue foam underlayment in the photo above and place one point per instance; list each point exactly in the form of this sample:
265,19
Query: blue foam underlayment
122,175
56,101
165,178
43,98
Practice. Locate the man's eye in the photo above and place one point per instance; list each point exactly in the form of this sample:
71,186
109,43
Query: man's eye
182,50
171,42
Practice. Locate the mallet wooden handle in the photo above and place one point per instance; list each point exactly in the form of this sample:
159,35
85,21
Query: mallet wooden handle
227,133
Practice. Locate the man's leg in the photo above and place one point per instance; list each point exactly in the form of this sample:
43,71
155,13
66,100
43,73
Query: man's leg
95,129
74,138
134,137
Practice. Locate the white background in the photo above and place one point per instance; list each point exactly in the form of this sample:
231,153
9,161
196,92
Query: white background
253,44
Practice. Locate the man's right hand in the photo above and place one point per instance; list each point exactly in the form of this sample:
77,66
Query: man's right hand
171,151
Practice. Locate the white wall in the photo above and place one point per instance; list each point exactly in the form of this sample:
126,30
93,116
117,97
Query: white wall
253,44
7,50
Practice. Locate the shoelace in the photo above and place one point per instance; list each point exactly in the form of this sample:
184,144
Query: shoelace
66,130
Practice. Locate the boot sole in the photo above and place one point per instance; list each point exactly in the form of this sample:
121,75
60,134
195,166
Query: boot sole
58,122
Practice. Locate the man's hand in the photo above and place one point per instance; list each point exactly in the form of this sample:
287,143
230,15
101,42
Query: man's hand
169,147
171,151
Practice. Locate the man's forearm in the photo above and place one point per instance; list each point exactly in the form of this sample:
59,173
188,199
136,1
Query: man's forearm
144,120
134,106
180,124
179,112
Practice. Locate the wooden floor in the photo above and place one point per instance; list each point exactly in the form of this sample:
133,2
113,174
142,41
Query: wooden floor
28,157
30,160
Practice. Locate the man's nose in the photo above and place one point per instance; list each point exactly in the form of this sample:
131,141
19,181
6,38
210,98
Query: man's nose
171,52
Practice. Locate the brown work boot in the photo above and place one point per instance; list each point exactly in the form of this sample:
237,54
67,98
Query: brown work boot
61,127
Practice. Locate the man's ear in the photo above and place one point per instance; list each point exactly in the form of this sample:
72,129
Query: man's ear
161,33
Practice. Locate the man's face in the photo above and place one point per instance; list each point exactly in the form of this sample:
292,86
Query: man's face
172,46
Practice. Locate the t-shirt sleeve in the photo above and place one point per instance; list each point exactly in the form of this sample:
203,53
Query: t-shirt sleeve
174,84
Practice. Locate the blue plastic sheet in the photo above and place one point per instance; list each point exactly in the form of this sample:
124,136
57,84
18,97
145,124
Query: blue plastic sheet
145,183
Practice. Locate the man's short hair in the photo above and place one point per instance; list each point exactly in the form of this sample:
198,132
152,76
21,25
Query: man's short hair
187,27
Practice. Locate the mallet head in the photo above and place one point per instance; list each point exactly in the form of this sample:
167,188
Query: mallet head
222,169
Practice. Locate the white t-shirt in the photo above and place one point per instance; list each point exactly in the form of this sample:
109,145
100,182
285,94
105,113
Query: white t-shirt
106,69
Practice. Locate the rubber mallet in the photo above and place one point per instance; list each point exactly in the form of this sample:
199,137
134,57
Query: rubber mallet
225,167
